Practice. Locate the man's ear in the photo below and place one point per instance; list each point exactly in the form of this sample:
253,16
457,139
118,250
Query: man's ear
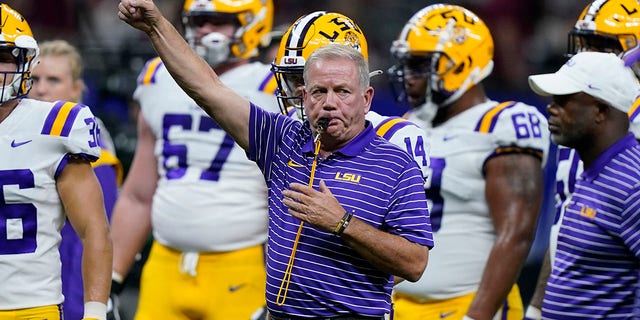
368,99
78,89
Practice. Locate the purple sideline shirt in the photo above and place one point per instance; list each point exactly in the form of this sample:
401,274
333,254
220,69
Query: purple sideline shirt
375,179
596,268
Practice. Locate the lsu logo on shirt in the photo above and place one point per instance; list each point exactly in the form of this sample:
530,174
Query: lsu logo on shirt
587,212
351,177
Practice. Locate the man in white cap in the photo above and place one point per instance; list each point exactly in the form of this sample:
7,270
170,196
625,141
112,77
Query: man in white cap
595,273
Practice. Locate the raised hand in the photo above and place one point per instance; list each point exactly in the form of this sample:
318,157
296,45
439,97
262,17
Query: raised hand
140,14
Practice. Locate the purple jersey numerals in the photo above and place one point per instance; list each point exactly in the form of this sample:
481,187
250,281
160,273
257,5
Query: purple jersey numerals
18,221
171,150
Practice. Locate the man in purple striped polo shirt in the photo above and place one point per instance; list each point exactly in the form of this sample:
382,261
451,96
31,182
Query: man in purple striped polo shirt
347,208
597,261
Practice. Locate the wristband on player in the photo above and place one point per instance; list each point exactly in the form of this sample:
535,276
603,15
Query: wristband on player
117,282
533,313
95,310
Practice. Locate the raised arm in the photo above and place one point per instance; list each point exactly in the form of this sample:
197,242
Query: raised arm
190,71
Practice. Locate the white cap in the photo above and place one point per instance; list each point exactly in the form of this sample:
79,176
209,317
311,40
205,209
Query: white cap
600,75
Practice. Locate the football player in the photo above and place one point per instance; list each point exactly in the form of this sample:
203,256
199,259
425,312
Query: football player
603,26
45,172
57,76
192,185
486,170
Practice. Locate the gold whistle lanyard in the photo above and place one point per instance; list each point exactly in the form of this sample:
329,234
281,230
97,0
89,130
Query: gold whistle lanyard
286,279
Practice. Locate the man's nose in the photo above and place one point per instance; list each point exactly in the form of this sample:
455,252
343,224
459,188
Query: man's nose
38,90
331,100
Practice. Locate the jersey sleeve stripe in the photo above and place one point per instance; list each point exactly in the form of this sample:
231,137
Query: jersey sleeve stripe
511,150
490,118
387,128
269,84
635,110
148,75
61,117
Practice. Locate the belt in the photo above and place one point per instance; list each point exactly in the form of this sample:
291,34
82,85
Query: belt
350,317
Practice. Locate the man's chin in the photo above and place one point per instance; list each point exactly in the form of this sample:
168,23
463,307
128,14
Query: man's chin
415,103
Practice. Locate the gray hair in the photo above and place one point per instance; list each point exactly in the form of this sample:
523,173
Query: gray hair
340,51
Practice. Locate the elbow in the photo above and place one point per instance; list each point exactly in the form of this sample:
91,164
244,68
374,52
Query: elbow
418,266
517,244
414,277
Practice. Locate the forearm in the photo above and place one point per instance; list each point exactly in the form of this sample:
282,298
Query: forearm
500,274
191,72
96,266
541,285
130,230
388,252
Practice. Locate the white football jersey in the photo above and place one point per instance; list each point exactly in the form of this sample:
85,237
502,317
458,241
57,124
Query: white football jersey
405,134
210,197
463,230
35,139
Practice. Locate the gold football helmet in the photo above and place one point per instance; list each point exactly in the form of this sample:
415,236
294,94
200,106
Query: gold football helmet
303,37
253,17
447,45
17,42
609,26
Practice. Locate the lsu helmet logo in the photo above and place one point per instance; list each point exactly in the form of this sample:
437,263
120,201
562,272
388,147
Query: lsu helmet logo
352,40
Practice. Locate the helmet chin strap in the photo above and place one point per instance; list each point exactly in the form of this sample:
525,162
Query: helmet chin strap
475,76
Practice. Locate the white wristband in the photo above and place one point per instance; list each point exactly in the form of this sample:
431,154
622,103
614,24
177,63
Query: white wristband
95,310
116,277
533,313
466,317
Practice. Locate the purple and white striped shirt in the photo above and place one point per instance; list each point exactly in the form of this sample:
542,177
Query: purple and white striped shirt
375,179
596,268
